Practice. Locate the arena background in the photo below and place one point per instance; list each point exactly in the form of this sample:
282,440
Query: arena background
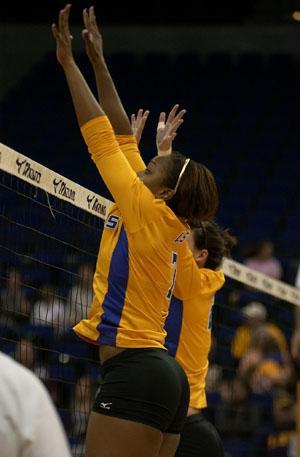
235,68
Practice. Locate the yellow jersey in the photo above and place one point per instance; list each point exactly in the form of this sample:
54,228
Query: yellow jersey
188,324
136,266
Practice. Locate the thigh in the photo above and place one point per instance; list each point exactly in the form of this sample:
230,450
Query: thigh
169,445
114,437
199,438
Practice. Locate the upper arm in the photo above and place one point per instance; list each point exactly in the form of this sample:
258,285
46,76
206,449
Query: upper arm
129,147
134,200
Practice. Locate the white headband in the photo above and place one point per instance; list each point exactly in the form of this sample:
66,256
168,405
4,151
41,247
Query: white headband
181,174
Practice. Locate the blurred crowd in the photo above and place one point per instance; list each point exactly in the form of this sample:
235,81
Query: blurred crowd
251,391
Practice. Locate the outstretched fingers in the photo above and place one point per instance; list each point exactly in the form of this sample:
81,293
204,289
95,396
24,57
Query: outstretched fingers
55,31
63,20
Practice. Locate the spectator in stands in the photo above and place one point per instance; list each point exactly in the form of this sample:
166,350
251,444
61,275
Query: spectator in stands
214,373
81,406
80,296
29,424
255,315
295,343
264,366
262,259
49,309
277,437
26,356
236,416
14,304
11,295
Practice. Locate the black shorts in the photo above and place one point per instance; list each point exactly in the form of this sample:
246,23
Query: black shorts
144,385
199,438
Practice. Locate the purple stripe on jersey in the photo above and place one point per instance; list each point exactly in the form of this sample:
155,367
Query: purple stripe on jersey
114,299
173,325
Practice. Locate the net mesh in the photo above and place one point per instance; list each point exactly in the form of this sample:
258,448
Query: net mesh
50,234
48,253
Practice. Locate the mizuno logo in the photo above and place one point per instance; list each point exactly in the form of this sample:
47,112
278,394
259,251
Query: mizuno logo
105,405
95,205
60,187
25,169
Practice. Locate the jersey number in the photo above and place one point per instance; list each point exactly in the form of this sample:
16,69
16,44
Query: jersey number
174,267
112,222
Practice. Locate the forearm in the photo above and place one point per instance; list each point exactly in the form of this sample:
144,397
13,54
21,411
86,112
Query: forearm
131,151
85,104
110,100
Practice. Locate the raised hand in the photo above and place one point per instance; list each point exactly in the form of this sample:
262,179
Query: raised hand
138,123
92,36
167,130
63,37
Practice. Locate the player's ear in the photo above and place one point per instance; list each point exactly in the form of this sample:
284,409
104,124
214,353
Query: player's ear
165,194
201,255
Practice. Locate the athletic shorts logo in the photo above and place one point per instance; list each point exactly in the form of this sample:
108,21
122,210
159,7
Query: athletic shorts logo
25,169
105,405
61,188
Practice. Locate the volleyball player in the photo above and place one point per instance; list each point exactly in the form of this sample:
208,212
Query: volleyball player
142,403
188,323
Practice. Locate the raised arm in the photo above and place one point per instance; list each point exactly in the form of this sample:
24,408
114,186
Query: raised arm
85,104
107,92
134,200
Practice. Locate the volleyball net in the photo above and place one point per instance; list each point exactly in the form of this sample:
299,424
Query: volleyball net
50,233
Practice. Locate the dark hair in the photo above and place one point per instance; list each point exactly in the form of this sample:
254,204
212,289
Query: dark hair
197,194
208,235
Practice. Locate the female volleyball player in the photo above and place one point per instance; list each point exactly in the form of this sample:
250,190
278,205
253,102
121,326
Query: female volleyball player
189,320
141,406
189,333
209,244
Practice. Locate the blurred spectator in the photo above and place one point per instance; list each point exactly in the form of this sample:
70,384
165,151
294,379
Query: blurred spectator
236,416
276,439
49,309
255,315
81,406
297,279
262,259
11,295
295,343
26,356
264,366
15,306
214,373
80,296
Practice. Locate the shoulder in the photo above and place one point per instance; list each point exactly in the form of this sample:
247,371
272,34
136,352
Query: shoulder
214,278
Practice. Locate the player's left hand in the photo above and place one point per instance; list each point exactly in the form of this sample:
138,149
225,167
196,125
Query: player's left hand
92,36
167,130
63,37
138,123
